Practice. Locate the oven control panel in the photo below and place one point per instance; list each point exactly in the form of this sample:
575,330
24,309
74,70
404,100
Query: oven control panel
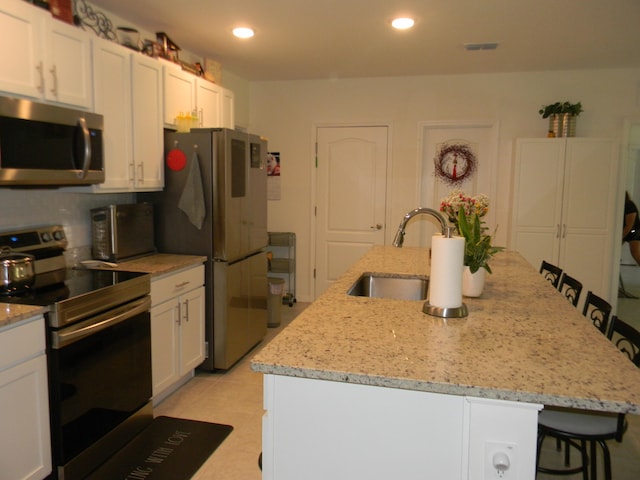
33,239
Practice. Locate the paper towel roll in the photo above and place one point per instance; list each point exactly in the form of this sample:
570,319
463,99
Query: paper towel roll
447,263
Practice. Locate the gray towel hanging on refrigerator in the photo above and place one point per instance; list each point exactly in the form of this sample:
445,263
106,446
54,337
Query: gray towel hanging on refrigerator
192,199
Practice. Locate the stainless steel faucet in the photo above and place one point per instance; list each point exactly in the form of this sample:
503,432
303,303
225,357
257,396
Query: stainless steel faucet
447,231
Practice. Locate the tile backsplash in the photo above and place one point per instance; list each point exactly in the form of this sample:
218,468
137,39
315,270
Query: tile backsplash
35,207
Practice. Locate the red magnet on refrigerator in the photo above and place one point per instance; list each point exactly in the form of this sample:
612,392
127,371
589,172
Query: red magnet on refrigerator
176,159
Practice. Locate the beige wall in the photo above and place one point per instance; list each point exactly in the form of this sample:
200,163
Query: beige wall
288,112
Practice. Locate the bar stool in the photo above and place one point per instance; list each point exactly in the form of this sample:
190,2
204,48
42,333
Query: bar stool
551,272
576,428
570,288
597,310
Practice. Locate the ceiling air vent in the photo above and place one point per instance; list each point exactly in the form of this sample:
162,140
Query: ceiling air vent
481,46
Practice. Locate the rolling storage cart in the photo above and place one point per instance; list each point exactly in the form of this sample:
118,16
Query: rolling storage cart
282,264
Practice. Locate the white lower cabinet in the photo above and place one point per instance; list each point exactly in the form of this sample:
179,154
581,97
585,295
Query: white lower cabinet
25,448
317,429
177,329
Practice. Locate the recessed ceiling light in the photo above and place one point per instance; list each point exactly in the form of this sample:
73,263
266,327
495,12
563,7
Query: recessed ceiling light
243,32
402,23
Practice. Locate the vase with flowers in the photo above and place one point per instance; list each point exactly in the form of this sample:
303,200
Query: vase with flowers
472,205
478,248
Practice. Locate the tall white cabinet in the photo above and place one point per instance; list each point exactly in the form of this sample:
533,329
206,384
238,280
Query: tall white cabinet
566,208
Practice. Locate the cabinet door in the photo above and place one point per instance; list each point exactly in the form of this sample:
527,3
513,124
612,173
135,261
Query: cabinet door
112,90
537,208
21,37
67,52
179,94
165,344
209,100
228,109
148,136
589,212
191,330
25,451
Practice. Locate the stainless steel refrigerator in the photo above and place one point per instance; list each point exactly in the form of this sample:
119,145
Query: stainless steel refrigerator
228,225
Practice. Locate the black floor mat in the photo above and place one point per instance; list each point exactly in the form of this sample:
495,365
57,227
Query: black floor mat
168,449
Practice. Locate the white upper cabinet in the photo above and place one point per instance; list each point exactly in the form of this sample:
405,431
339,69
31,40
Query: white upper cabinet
188,94
44,58
228,109
21,37
179,93
148,134
67,64
209,99
128,93
112,93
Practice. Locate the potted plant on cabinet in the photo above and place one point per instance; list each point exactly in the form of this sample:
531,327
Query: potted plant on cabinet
562,118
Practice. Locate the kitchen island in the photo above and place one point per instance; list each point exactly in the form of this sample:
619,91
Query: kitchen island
359,387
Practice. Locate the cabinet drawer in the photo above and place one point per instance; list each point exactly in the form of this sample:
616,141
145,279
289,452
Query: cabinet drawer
18,343
175,284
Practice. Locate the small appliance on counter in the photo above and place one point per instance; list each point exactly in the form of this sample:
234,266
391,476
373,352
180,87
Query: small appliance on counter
122,232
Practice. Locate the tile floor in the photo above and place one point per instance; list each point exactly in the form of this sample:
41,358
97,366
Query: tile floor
235,398
232,398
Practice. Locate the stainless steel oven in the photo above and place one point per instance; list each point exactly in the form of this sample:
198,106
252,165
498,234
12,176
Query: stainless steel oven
100,383
98,352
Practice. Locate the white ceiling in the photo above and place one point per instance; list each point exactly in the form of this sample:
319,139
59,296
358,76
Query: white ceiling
319,39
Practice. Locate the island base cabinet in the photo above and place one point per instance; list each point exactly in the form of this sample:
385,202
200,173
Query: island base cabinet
317,429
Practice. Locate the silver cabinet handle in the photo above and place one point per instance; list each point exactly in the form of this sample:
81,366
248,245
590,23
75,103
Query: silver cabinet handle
39,68
185,315
558,230
54,73
377,226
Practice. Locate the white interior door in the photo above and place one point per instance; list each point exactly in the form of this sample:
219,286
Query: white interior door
481,139
351,197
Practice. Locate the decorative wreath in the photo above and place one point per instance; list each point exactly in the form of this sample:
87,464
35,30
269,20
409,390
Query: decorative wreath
454,163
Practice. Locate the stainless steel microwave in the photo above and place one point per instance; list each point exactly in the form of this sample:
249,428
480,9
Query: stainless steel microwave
47,145
120,232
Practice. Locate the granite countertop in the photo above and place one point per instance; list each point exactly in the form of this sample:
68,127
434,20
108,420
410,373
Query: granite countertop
158,263
522,341
11,313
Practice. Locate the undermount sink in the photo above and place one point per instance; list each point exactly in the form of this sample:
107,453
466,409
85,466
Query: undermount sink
395,286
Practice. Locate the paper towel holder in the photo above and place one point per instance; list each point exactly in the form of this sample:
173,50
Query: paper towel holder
445,312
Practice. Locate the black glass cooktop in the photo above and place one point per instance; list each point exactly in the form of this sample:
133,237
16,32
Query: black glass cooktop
54,287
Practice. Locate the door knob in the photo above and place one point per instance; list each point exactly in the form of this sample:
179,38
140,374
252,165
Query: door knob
376,227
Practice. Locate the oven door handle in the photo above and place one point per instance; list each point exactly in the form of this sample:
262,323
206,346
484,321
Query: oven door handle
101,322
